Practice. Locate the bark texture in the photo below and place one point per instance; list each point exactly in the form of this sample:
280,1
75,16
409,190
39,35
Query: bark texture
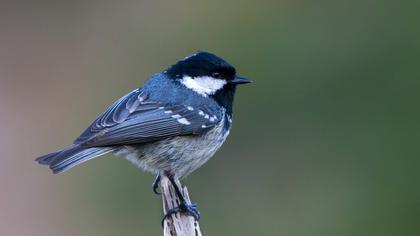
177,224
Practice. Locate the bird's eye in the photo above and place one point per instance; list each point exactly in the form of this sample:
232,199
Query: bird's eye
215,75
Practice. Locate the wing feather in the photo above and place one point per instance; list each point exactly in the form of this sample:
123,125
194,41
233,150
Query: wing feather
134,119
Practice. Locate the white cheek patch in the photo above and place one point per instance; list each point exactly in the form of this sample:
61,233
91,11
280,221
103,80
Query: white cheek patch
204,85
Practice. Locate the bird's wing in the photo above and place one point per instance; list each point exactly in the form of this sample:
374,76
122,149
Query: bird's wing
134,119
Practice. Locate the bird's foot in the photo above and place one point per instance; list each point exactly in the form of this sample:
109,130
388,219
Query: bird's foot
191,209
155,185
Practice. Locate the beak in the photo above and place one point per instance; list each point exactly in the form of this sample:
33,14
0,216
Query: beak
240,80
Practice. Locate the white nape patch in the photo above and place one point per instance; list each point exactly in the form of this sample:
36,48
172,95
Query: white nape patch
168,112
190,108
203,126
176,116
203,85
184,121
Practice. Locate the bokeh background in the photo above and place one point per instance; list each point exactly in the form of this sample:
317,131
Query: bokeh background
325,141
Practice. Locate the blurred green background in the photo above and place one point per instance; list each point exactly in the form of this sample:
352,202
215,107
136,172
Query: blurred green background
325,141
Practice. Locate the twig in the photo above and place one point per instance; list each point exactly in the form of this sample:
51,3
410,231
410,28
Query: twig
179,224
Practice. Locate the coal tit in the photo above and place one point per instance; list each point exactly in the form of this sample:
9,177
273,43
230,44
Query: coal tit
171,126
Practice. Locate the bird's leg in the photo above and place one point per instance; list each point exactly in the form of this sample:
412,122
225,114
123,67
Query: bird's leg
155,184
183,205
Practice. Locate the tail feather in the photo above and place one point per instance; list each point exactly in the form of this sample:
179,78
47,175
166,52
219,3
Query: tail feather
69,157
46,159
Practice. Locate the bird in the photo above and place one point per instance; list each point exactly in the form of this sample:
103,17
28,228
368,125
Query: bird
170,127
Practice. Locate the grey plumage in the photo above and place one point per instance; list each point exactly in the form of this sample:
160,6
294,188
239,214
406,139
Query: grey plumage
135,125
178,155
171,126
132,120
71,156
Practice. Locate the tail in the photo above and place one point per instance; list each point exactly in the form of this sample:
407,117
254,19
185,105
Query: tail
69,157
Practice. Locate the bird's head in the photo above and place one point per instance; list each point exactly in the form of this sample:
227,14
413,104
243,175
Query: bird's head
207,75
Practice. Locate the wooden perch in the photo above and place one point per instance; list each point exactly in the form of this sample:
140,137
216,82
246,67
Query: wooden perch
179,224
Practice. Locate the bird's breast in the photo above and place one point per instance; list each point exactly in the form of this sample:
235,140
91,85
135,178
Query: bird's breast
178,155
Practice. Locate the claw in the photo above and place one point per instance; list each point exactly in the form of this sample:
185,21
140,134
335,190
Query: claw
183,208
155,185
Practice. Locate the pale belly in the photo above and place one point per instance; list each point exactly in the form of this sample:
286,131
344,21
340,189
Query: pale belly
177,156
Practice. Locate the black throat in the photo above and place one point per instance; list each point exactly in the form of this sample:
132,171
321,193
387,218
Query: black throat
224,97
